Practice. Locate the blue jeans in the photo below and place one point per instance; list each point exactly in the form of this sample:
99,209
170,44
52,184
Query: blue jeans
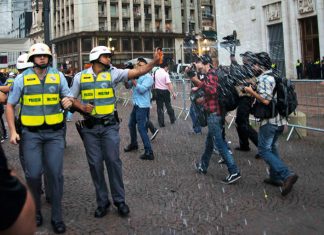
193,114
140,116
215,126
267,147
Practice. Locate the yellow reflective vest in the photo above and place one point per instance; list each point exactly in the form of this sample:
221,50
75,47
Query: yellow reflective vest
98,92
41,101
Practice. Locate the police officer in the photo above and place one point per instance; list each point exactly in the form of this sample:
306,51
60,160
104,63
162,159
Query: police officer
43,91
100,128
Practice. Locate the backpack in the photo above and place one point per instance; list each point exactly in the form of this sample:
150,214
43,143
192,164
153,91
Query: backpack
227,94
286,102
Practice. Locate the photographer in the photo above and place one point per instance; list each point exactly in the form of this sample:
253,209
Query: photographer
195,108
214,121
244,76
270,128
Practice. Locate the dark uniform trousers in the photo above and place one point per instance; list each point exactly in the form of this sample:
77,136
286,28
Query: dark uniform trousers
45,146
102,147
244,129
163,97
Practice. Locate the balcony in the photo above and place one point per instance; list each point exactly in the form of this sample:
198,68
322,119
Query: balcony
126,14
205,2
207,16
114,15
148,16
125,1
102,14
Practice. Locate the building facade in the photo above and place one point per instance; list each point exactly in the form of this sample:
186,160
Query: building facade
36,34
288,30
130,28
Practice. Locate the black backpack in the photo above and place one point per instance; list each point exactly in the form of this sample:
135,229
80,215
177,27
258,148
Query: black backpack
227,94
286,102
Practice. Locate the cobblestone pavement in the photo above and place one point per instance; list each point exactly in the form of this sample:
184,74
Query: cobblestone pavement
167,196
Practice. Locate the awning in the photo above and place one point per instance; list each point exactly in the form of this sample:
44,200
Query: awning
209,34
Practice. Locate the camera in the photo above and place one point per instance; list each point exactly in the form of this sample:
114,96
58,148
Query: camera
192,71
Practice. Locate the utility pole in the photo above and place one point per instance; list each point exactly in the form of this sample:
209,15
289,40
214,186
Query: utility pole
46,22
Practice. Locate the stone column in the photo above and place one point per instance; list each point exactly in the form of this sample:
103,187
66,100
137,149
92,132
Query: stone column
320,21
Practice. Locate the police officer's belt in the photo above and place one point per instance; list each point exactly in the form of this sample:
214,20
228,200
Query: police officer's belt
45,127
105,121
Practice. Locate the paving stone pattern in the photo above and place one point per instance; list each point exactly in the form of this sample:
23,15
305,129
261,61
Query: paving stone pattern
167,196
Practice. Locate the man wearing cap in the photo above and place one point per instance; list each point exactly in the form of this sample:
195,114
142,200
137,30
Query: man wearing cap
100,128
44,91
214,122
244,75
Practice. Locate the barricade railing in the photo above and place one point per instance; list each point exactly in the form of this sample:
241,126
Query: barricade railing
310,110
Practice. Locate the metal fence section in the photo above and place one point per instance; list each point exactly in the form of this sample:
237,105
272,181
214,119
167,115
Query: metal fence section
310,94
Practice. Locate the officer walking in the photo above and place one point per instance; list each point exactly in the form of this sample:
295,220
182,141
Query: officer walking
43,90
100,127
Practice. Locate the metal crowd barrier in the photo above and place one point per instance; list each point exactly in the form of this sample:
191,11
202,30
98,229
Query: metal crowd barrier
310,94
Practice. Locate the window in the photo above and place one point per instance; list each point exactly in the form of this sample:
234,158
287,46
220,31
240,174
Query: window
86,44
148,44
158,43
102,42
126,44
137,44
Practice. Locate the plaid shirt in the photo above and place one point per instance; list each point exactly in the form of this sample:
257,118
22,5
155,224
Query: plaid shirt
210,85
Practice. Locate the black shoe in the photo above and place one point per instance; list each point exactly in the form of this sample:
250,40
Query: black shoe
147,156
130,148
257,156
58,227
277,183
101,211
243,149
39,219
123,209
232,178
161,125
200,169
288,184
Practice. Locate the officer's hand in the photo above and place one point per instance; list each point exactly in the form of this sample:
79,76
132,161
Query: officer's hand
158,56
67,102
88,108
14,138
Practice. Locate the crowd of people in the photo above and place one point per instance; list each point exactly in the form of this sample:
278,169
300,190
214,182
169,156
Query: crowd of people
47,97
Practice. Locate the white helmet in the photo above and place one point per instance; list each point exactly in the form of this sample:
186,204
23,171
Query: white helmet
96,52
22,62
39,49
11,74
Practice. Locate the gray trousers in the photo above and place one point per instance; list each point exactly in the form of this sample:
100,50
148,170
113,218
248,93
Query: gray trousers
102,147
45,146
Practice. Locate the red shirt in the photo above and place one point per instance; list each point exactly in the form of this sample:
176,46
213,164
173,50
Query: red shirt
210,85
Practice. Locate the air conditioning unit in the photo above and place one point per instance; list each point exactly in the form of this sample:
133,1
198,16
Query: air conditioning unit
206,28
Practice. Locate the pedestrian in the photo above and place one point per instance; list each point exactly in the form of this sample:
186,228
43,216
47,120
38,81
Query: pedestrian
44,91
299,69
243,75
69,78
214,122
270,128
100,128
164,89
139,116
